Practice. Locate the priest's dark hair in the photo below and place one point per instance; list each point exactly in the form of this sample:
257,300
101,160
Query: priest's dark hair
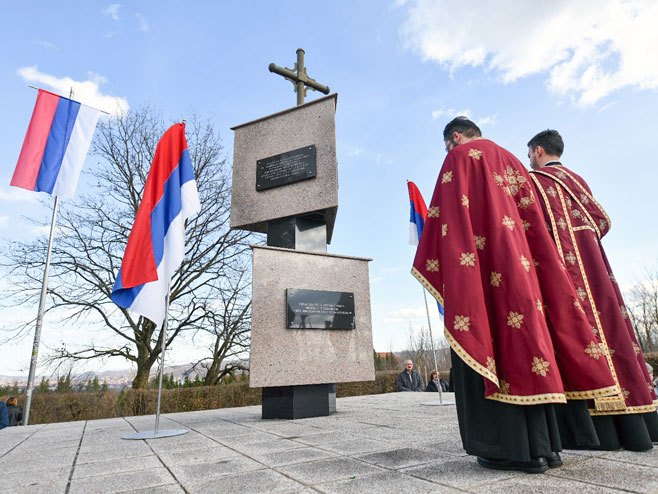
462,125
550,140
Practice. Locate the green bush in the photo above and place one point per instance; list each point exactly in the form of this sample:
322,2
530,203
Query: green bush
65,407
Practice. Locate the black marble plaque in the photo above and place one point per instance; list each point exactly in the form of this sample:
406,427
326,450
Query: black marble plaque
317,309
286,168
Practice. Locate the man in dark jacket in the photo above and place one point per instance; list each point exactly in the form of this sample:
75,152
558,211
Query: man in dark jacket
15,412
409,379
4,415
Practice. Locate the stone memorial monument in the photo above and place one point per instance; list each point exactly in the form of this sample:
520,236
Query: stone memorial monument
311,323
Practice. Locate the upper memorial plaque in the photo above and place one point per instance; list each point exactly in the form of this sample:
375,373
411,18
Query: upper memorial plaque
295,129
286,168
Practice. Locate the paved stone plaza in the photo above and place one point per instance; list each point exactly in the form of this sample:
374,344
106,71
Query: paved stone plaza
378,443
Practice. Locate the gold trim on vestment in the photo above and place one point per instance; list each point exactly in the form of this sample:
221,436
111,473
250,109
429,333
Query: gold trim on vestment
584,227
589,196
591,394
610,403
575,198
470,361
528,400
459,350
555,234
589,295
627,411
433,291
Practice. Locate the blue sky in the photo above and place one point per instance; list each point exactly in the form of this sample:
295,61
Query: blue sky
402,69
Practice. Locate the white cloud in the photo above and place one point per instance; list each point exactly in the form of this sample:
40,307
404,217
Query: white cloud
393,269
605,107
4,221
113,11
587,49
45,44
450,113
44,230
143,25
87,92
40,231
405,314
15,194
487,120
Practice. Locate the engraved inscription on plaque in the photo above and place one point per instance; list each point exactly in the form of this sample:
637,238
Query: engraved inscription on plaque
286,168
318,309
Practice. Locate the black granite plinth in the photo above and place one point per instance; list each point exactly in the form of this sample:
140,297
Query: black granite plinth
299,402
306,232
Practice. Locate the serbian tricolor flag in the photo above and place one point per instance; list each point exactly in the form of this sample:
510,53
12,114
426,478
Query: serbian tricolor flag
55,146
156,245
418,214
417,219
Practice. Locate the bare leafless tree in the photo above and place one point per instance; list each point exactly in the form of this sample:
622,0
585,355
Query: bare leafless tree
419,351
92,235
228,327
642,304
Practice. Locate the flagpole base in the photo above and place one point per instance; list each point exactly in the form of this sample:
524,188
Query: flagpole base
437,403
155,435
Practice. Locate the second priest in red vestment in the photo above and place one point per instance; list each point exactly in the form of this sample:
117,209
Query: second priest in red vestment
511,312
577,222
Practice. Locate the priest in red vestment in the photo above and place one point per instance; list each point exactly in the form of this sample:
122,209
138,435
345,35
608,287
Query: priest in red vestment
517,329
577,222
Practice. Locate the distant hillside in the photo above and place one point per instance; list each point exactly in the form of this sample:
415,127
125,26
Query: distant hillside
114,379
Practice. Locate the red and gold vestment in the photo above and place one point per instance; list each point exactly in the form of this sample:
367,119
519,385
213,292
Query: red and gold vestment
577,223
511,311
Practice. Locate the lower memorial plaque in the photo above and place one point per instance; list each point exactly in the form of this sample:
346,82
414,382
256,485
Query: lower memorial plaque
318,309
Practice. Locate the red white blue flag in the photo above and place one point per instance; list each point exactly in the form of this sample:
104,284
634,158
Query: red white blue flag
55,146
418,214
156,245
417,219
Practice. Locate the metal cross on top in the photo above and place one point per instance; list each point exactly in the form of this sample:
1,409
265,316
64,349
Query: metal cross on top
299,77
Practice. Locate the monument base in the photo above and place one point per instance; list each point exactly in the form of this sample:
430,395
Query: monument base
299,402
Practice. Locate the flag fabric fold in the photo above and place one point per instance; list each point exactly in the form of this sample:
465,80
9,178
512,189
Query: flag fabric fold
55,145
156,245
418,214
417,219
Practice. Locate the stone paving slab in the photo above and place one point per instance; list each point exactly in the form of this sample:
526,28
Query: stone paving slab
384,483
378,443
122,482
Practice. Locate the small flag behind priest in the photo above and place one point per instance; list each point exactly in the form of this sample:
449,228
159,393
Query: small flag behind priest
417,220
156,245
55,146
418,214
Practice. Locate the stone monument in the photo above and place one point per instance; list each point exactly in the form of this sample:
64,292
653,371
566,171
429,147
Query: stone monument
311,322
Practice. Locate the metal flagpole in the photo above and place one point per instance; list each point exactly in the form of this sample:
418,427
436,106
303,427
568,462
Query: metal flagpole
162,361
156,433
440,402
37,331
42,304
429,324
